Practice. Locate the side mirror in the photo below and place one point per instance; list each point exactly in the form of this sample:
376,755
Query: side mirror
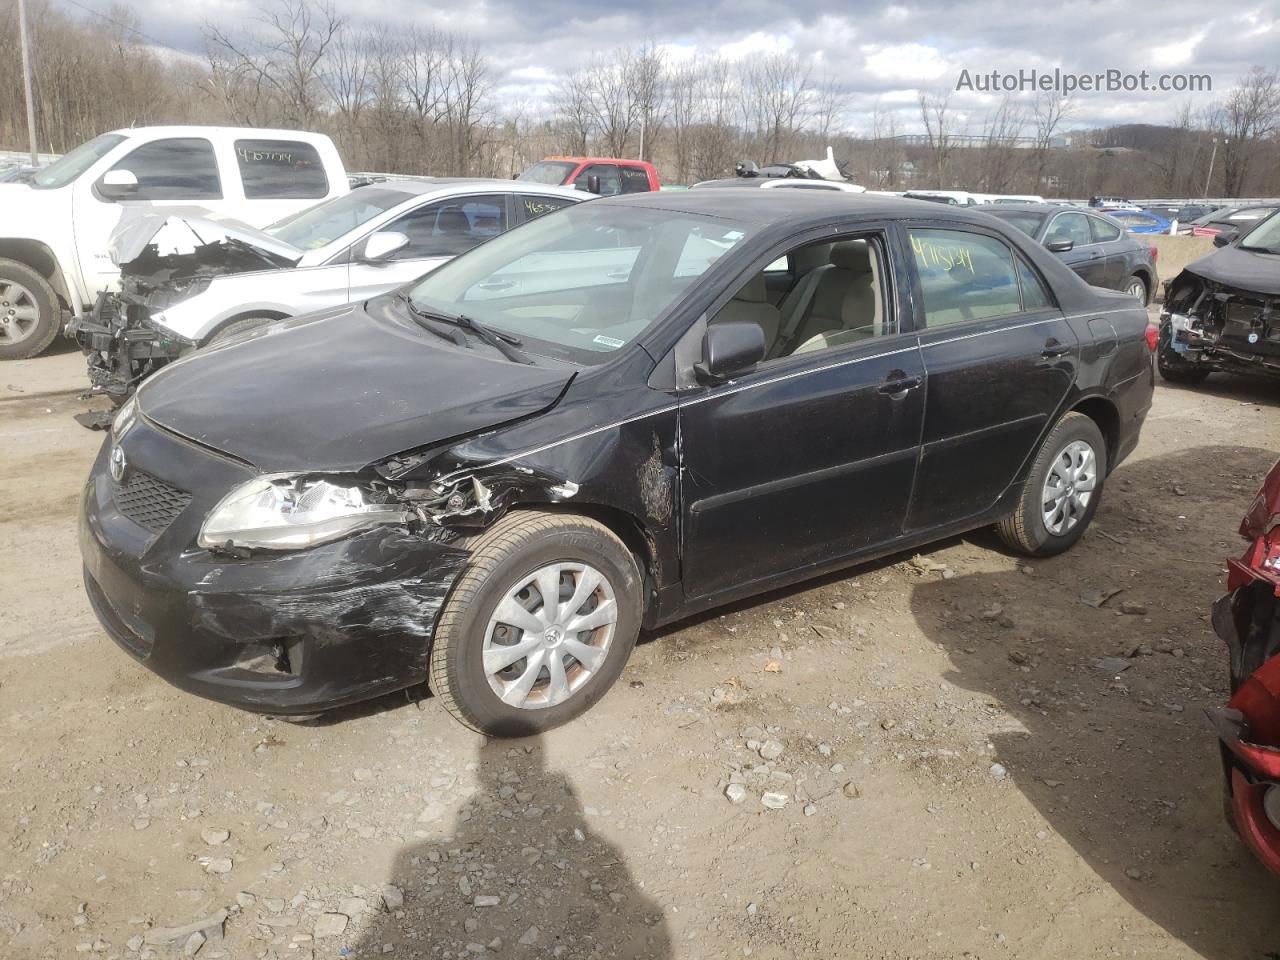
729,350
382,244
1059,246
1223,238
592,184
118,185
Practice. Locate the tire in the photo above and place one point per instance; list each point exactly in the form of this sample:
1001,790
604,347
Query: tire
236,327
1172,367
1026,529
1134,281
507,555
24,294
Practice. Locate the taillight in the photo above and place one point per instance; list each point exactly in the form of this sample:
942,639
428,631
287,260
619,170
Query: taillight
1155,252
1153,337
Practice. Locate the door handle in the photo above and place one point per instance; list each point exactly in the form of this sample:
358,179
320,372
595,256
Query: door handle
1054,348
619,274
1095,254
899,384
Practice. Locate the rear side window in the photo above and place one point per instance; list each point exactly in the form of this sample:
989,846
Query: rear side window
450,227
610,179
532,206
1070,226
964,276
635,180
1103,231
281,170
1034,295
177,169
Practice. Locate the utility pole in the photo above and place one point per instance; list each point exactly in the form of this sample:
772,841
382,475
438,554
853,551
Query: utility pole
1212,156
26,80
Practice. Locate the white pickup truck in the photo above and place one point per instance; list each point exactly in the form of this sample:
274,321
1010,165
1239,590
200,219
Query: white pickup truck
55,228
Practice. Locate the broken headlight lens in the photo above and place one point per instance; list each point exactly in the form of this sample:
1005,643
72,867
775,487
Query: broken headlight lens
290,513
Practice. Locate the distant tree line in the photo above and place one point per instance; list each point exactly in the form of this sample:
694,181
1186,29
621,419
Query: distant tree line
425,101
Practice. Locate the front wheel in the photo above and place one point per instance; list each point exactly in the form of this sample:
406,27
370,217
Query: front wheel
538,626
1137,287
29,312
1062,490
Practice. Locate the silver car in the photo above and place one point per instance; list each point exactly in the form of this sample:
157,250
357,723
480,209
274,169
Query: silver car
189,279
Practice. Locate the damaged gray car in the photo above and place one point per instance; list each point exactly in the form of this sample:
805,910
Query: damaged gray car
1223,311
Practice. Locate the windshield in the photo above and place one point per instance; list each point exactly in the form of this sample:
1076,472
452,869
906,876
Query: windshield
70,165
1265,236
1025,221
553,172
583,282
326,222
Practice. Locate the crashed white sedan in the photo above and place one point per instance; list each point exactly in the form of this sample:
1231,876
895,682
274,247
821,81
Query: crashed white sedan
189,279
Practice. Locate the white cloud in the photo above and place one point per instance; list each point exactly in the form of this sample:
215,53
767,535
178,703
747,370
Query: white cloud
756,44
908,63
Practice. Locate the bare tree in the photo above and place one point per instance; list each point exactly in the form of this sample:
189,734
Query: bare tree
282,53
829,103
1048,113
1249,115
775,91
1001,157
685,84
572,104
938,128
347,82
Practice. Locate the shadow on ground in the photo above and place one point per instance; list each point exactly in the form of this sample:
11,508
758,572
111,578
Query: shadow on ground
522,839
1135,787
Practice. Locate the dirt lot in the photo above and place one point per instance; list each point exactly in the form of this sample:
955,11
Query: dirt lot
962,780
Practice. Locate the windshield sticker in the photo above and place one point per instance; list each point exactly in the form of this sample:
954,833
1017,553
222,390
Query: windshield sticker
608,341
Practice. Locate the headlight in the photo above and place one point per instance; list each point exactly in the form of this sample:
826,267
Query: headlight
288,513
124,419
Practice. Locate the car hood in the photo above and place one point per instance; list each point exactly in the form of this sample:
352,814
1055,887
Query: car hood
181,232
340,390
1233,267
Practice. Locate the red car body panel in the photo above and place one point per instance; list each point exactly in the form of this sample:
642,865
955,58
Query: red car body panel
584,162
1247,618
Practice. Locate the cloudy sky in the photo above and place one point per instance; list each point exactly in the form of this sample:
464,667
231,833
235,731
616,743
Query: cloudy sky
878,52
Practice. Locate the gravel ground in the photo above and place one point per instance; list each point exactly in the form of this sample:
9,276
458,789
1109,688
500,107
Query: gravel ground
920,759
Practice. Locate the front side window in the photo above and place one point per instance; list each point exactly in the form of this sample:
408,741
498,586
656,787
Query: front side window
280,170
610,179
450,227
1026,221
1103,231
584,283
326,222
634,180
182,168
70,165
1265,236
964,276
1070,226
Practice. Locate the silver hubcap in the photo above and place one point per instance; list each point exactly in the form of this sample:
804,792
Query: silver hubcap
1137,289
18,312
549,635
1068,488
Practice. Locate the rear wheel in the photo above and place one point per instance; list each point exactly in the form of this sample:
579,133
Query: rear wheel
1137,287
1061,492
539,625
29,312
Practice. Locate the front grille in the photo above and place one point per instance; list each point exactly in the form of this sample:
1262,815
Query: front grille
150,502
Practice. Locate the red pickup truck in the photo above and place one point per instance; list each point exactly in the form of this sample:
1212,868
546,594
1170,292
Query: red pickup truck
606,176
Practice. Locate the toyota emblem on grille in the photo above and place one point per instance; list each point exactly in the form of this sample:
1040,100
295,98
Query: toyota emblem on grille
117,464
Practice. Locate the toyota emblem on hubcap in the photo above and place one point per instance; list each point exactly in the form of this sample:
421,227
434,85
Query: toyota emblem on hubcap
118,464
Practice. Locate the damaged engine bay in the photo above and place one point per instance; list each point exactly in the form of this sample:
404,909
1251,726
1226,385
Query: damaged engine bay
1222,313
120,340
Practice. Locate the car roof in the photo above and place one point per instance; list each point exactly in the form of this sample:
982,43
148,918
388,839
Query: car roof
995,209
597,160
794,207
418,186
205,129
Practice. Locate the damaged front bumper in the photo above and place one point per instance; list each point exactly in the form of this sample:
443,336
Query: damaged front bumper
284,633
1219,327
1247,619
122,345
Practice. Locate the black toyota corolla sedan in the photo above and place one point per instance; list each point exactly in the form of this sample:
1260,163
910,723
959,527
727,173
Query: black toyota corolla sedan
612,417
1096,247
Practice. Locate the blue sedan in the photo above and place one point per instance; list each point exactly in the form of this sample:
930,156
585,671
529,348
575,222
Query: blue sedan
1140,221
